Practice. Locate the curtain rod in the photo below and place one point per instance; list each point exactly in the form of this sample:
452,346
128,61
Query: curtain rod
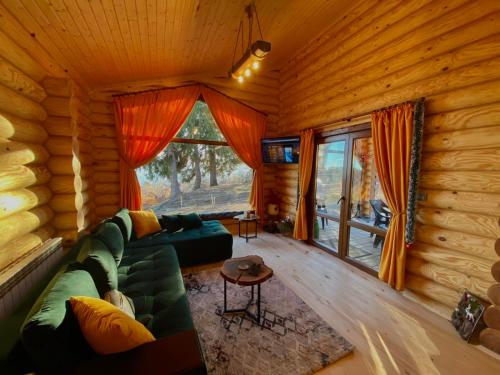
360,116
188,85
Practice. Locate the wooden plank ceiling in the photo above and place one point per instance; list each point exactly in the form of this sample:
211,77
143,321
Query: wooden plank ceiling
110,41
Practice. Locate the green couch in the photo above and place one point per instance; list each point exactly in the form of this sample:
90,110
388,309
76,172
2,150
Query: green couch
146,270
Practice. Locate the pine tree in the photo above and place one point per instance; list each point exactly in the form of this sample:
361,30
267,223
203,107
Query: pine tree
193,161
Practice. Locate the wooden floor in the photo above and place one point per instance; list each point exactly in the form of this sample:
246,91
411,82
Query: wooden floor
392,334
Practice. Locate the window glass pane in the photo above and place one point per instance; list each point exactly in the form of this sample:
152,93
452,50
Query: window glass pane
199,178
329,177
367,206
365,247
329,187
200,125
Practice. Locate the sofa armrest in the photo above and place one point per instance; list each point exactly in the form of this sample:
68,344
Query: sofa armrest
176,354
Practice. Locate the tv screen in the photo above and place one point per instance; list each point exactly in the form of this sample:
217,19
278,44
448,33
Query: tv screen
281,150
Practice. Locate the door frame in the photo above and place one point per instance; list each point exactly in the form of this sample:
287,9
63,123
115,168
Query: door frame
322,137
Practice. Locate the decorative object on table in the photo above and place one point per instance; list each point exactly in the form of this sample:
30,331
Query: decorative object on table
247,217
245,271
467,318
249,214
291,339
273,209
285,226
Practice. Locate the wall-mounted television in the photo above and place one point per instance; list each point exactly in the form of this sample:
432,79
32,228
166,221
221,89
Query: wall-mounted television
281,150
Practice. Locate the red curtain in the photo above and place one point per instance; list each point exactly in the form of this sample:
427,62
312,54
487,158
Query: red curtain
243,128
145,123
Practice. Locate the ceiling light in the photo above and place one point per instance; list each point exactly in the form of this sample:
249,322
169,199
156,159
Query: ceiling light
255,51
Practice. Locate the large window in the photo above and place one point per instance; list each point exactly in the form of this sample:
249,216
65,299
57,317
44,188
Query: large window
197,171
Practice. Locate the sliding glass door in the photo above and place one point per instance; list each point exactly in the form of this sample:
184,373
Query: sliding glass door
350,213
330,192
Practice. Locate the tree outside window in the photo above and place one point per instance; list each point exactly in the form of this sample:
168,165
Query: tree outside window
197,171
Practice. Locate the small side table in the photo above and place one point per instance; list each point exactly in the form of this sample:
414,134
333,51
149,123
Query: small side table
243,218
231,272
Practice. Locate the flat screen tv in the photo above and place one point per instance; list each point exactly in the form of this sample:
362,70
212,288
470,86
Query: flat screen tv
281,150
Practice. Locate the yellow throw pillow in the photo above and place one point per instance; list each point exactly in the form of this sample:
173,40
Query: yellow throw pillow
106,328
144,223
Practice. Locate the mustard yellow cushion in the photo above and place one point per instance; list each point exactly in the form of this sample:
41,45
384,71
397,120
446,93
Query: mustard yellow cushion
106,328
144,223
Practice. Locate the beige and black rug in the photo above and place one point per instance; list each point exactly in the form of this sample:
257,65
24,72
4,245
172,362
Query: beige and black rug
291,338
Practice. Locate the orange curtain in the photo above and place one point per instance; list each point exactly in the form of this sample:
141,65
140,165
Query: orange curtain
305,170
392,138
243,128
145,123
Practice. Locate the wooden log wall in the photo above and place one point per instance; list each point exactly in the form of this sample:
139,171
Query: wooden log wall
25,213
260,92
70,161
106,186
384,53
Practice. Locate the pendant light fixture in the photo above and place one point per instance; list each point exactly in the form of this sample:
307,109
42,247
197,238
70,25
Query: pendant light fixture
255,50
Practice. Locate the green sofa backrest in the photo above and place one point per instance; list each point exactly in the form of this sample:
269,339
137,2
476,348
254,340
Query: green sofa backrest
109,233
124,222
50,333
97,259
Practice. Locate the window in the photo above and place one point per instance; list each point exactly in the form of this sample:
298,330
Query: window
197,171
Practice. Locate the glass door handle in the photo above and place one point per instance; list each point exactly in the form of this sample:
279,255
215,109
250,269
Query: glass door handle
342,198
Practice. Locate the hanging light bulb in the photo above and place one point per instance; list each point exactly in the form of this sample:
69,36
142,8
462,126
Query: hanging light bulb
256,65
248,72
241,79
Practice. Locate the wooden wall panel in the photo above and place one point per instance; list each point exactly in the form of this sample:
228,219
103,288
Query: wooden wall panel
106,184
67,125
448,52
25,214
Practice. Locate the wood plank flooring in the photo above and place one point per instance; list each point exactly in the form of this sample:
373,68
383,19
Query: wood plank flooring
392,334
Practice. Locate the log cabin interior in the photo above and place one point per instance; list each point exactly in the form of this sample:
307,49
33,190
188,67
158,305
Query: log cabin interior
360,139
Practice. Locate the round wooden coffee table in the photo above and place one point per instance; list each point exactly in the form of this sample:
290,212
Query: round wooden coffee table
256,273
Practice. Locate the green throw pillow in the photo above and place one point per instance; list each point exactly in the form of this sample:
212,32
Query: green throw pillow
190,221
171,223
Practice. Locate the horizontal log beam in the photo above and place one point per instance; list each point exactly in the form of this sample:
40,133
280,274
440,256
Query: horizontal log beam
21,130
18,177
15,201
15,79
22,223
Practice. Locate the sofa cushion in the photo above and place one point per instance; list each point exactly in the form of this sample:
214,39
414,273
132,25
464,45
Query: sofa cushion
98,260
124,222
106,328
209,243
152,278
144,223
120,300
109,233
170,223
190,221
50,332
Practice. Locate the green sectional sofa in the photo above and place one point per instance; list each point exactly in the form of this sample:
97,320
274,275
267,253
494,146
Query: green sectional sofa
44,336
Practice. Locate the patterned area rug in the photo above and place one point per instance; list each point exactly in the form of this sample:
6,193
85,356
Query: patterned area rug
291,338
